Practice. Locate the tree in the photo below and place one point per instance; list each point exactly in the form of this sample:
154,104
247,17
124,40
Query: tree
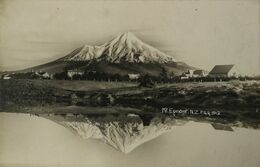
76,77
61,76
163,75
146,81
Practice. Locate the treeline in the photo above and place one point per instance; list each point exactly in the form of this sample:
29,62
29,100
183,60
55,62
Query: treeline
27,75
97,76
93,76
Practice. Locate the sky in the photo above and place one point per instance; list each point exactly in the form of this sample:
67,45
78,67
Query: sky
201,33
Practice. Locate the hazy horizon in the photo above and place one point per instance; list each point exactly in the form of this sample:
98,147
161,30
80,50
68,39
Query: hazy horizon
201,33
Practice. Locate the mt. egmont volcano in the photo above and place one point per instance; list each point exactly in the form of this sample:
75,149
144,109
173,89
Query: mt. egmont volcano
125,54
124,48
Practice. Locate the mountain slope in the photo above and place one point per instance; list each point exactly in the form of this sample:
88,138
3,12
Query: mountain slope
128,48
84,53
124,68
122,55
124,48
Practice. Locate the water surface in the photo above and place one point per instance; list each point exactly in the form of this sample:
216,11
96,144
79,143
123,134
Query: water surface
28,141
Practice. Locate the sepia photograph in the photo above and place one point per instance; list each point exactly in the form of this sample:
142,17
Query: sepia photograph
129,83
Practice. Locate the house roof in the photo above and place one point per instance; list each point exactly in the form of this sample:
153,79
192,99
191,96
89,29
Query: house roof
198,72
221,69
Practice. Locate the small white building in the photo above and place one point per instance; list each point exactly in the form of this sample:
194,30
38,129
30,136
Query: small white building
6,77
189,73
199,73
46,75
186,75
133,76
183,77
73,72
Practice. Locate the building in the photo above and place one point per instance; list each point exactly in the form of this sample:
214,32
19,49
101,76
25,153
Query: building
186,75
44,75
223,71
73,72
199,73
133,76
6,77
189,73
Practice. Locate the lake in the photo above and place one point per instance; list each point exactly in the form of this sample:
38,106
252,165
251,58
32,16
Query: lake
29,141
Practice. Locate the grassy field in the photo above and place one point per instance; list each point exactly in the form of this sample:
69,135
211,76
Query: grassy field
237,101
196,94
83,85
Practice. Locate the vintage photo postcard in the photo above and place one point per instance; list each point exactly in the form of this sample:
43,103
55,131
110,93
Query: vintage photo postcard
129,83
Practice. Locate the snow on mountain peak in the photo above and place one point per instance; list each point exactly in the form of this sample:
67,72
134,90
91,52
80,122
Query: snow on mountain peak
83,53
124,48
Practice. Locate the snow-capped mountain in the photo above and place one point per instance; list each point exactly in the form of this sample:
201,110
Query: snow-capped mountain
122,134
124,48
84,53
123,55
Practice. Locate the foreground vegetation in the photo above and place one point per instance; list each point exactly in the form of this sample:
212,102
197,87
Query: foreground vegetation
236,101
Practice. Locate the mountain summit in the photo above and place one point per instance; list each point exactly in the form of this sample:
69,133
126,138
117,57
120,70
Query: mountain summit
123,55
124,48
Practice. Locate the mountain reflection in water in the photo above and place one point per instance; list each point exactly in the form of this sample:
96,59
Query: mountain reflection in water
34,141
124,132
